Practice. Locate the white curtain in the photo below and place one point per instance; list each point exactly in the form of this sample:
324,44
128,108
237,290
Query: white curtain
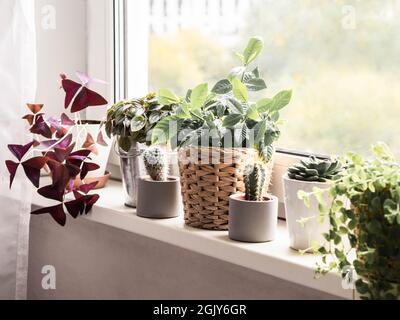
17,87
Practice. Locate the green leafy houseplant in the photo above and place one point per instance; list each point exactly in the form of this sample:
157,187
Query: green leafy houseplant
133,120
364,235
225,116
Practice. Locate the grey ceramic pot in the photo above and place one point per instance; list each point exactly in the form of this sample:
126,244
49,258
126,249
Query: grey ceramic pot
159,199
253,221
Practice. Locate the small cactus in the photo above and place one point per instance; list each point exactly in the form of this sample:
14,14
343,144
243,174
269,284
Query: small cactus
254,182
156,163
315,169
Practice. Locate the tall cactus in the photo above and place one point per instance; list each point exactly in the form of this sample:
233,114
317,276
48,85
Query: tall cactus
156,163
254,182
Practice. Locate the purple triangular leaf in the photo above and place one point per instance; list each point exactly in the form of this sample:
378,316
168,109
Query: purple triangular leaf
41,128
86,188
49,192
90,201
19,151
66,121
32,169
57,212
12,169
75,207
87,167
100,140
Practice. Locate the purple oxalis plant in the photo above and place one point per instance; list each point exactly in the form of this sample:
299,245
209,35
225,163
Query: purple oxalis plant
54,148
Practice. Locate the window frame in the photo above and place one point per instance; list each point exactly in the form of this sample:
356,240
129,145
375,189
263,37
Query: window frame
121,73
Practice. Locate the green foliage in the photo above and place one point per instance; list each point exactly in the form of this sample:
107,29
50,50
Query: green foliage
133,120
314,169
225,116
254,182
252,51
369,226
156,163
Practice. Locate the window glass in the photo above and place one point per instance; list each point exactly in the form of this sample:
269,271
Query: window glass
340,58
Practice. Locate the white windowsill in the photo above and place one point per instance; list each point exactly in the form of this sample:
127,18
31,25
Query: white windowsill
273,258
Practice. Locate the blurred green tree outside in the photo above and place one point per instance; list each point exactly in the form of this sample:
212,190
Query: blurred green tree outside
340,58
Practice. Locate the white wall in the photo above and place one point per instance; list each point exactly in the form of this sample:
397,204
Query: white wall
67,42
95,261
61,47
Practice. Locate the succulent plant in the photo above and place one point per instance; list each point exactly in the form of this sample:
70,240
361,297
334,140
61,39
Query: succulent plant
156,163
314,169
254,182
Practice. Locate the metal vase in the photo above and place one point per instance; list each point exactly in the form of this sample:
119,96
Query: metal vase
132,168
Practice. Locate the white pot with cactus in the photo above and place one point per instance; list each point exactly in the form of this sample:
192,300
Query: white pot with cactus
305,224
159,195
253,216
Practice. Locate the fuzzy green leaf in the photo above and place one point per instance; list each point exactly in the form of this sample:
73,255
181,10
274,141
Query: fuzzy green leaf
253,50
199,96
239,90
222,87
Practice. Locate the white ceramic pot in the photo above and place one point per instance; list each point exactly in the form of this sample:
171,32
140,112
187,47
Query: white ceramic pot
302,237
101,159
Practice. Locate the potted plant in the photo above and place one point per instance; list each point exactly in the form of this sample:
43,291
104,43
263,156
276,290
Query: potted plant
158,193
218,133
87,133
54,147
253,216
131,122
305,224
364,236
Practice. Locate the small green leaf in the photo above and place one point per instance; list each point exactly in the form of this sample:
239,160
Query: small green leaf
252,113
240,56
304,221
232,120
239,90
260,128
235,106
305,197
361,286
256,84
264,105
161,132
138,123
222,87
182,112
281,100
256,72
199,95
167,97
155,117
253,50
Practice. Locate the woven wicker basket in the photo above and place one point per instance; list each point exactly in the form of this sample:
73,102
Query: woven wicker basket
209,176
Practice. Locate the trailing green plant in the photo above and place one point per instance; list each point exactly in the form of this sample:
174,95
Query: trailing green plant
133,120
254,182
314,169
156,163
364,235
225,116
